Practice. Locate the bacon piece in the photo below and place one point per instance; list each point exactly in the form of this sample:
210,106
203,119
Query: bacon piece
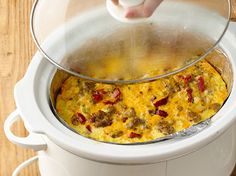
190,94
187,79
92,119
81,118
116,96
201,84
111,102
78,118
134,135
116,93
161,102
88,127
162,113
97,95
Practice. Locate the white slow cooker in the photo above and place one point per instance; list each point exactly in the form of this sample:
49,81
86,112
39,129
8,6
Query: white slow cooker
61,152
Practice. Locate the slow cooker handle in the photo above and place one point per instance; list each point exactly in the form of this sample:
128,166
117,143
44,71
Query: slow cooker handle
32,141
24,165
43,159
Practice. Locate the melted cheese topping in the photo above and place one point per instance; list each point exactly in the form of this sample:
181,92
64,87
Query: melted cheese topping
141,112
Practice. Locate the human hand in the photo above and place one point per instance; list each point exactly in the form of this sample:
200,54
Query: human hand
144,10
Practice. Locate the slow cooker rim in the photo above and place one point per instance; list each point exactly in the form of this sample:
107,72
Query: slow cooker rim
94,155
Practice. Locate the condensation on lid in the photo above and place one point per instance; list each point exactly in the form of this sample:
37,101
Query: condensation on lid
83,38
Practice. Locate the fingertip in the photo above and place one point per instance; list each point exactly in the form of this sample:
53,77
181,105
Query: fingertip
116,2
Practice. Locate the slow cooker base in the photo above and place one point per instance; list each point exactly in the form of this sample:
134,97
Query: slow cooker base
215,159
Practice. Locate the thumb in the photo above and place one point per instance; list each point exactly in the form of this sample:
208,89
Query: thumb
144,10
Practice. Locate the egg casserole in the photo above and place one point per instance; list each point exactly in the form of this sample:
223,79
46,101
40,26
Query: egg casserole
141,112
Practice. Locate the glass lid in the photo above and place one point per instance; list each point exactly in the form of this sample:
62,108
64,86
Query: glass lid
127,41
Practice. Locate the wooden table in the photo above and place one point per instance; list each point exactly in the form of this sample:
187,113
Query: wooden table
16,51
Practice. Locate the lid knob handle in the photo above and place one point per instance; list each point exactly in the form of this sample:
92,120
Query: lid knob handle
130,3
118,11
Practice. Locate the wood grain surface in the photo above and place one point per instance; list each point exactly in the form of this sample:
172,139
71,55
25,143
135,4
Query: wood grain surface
16,51
233,14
